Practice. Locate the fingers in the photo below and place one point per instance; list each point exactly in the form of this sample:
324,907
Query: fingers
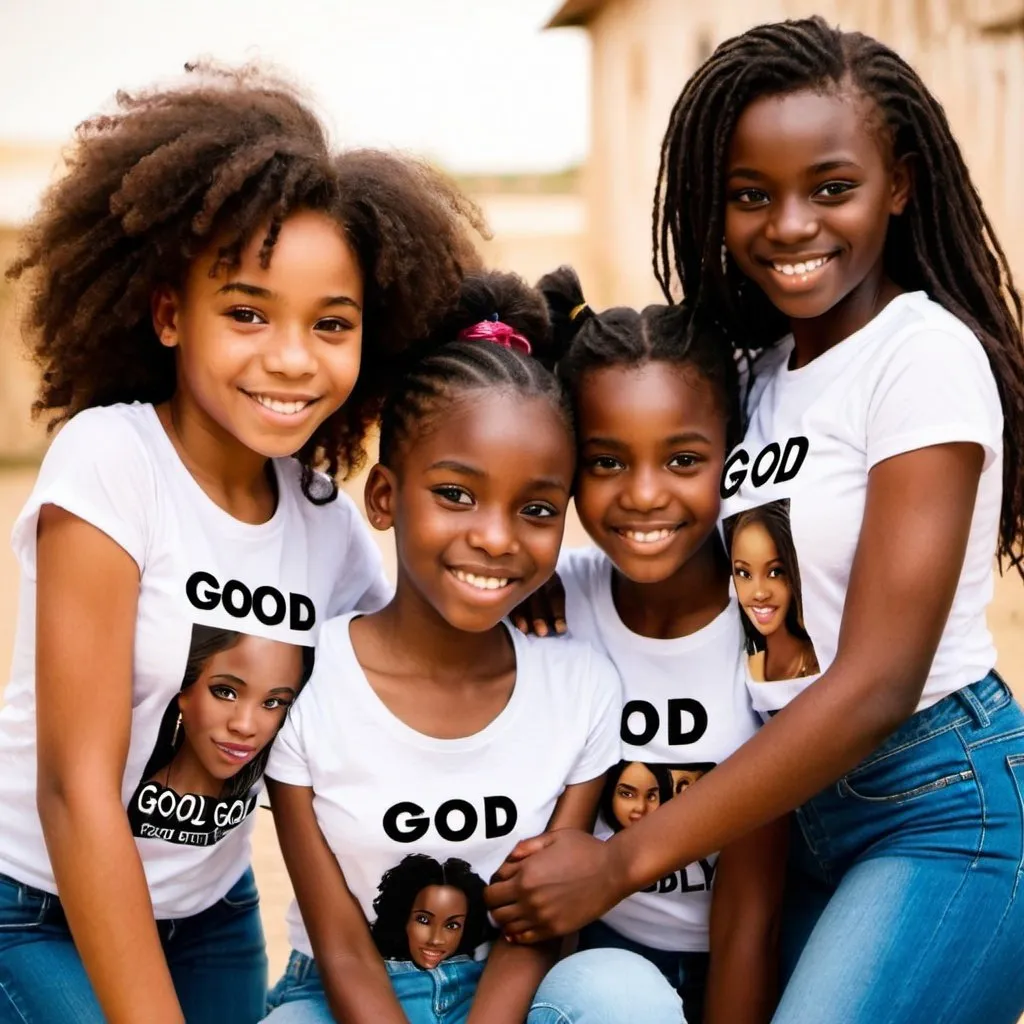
531,936
528,847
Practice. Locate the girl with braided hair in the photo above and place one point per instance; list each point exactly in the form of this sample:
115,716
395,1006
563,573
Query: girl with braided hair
815,205
216,300
432,726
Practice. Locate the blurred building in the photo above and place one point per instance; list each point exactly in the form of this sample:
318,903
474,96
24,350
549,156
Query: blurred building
970,53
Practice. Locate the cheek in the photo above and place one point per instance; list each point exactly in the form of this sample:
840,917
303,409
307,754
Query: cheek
593,498
341,363
270,723
543,547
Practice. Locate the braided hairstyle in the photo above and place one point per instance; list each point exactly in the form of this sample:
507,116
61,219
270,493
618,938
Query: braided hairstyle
444,366
588,340
954,257
227,154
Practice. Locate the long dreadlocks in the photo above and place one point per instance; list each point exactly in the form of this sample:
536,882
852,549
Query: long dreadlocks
954,257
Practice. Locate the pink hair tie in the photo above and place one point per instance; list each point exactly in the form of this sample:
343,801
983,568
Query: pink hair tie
498,332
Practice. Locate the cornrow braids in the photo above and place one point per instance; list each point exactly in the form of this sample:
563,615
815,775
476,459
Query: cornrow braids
587,340
213,162
955,258
447,366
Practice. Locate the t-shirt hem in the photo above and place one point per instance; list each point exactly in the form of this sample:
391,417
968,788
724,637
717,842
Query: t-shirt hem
685,946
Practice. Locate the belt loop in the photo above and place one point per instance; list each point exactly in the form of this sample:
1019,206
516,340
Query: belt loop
974,706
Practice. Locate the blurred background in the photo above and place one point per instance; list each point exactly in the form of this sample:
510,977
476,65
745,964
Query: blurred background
550,115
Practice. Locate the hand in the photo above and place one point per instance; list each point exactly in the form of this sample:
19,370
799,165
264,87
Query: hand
543,612
554,884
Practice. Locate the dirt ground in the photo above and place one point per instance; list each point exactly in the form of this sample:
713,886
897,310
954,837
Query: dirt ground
1006,619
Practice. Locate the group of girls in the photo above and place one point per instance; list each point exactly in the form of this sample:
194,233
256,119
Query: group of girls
794,481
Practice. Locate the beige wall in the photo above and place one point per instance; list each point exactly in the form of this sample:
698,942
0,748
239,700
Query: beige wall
970,52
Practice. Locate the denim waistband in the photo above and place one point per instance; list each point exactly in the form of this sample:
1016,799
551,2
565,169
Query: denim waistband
408,967
975,703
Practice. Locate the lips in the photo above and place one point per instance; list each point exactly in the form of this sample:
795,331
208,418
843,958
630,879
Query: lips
763,613
647,538
432,957
482,580
238,753
282,405
796,271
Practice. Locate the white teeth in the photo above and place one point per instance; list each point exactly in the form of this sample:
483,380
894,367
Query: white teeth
800,269
275,405
481,582
649,537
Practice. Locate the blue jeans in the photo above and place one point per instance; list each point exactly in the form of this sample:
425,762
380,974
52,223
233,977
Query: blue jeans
606,986
217,959
905,901
686,972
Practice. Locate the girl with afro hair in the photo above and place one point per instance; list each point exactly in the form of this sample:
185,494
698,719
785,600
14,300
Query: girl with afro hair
215,299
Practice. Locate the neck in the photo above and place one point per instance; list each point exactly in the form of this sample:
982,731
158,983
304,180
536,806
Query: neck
813,337
234,476
783,655
185,774
695,594
420,641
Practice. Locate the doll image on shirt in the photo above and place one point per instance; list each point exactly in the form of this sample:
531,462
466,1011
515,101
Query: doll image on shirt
428,911
632,790
215,736
766,575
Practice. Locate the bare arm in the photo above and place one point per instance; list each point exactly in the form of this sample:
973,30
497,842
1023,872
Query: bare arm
514,972
743,979
87,596
908,561
353,973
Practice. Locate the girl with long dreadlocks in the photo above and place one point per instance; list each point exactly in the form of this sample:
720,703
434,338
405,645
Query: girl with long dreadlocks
815,204
217,303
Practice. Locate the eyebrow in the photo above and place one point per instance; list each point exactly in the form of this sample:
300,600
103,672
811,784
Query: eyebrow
256,292
823,167
543,482
685,438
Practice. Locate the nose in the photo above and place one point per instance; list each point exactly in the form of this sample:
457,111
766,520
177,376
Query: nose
243,719
289,352
436,935
494,533
791,221
761,588
644,491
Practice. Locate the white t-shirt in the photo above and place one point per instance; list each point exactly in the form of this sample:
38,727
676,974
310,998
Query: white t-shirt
913,377
116,468
383,791
685,707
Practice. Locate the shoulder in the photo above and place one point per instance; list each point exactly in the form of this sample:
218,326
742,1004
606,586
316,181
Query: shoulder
574,667
107,435
582,568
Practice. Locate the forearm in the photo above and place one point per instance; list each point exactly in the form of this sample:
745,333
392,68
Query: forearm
743,977
105,897
770,775
509,982
358,988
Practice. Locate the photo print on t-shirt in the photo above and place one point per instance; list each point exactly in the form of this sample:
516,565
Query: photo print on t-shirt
766,575
427,911
633,789
215,736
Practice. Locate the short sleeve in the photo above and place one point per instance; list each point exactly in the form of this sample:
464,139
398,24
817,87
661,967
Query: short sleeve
936,388
604,747
362,584
98,469
287,762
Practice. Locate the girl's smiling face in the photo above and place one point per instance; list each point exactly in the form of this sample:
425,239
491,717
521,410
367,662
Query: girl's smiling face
478,502
266,354
652,446
762,583
436,924
810,188
233,710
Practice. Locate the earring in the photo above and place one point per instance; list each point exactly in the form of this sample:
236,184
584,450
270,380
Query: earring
725,261
177,728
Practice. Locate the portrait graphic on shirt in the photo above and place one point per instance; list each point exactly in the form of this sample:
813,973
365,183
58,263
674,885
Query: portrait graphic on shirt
427,911
215,736
632,789
766,575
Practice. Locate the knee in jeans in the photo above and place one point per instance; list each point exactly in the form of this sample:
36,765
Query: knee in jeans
605,986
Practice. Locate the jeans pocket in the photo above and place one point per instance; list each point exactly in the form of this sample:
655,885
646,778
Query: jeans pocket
22,907
931,766
243,895
1015,762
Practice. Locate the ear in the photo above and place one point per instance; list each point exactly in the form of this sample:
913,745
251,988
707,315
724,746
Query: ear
379,497
165,306
902,185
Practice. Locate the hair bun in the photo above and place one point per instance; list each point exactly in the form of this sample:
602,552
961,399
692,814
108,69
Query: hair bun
567,307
